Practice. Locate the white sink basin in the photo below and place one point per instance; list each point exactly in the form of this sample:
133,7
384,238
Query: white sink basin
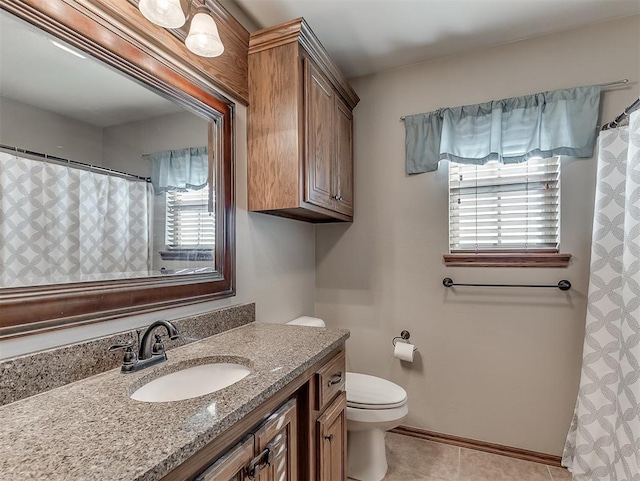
191,382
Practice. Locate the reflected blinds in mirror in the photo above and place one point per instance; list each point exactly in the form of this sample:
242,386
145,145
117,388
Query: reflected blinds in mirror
190,223
498,207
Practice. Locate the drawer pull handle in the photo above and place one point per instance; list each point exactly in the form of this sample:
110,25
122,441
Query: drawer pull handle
337,379
263,460
329,437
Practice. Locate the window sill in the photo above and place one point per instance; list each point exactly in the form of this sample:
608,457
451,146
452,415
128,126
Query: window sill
511,259
187,255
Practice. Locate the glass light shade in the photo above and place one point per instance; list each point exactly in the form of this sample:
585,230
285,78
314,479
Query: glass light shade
166,13
203,38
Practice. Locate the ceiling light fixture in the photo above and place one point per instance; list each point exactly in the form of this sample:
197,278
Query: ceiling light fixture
166,13
203,38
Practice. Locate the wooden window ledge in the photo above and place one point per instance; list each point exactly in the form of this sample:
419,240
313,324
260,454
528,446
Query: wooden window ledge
187,255
485,259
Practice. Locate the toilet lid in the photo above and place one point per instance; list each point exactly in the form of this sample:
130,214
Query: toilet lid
371,392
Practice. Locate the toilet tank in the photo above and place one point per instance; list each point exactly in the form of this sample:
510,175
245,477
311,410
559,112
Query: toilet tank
307,321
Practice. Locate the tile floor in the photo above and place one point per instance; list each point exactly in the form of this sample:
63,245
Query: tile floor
412,459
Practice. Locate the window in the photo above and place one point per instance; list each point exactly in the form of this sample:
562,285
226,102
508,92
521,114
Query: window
504,209
189,222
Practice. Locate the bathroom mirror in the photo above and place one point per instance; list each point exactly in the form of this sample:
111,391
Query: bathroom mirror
115,181
102,177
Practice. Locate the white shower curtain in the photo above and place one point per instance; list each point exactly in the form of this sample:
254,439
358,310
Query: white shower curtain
604,439
60,224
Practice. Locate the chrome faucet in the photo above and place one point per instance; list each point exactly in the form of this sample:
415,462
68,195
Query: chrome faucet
148,354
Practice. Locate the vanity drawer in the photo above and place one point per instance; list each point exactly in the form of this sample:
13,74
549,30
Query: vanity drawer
330,380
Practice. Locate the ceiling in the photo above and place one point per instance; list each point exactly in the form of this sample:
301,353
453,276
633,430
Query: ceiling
35,71
366,36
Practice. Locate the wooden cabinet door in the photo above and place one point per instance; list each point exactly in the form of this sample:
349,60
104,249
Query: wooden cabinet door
319,137
331,429
343,168
233,465
276,441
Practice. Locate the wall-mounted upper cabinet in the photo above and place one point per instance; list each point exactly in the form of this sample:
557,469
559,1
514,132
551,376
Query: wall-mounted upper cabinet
300,161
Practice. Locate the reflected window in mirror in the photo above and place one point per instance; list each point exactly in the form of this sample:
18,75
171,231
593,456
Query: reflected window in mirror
189,226
104,180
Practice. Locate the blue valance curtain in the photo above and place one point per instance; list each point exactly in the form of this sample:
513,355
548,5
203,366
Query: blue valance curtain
559,122
180,169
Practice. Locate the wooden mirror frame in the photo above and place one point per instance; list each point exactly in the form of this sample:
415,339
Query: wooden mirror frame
81,23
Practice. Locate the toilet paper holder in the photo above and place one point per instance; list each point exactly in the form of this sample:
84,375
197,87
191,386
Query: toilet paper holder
404,335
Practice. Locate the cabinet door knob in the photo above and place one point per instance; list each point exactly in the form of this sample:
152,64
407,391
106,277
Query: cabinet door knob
329,437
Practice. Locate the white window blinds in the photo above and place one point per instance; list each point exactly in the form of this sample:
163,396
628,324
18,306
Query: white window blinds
189,224
496,207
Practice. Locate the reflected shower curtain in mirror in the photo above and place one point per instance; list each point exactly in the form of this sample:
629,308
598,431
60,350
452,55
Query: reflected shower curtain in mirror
604,439
62,224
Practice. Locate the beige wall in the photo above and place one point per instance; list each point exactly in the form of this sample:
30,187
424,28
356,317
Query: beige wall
493,364
275,269
240,15
39,130
124,145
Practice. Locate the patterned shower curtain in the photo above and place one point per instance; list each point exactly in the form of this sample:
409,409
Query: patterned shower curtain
604,439
60,224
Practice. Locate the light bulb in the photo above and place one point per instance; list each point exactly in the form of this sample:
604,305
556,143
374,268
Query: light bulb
203,38
166,13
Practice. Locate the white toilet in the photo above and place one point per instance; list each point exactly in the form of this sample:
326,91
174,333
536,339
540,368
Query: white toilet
374,406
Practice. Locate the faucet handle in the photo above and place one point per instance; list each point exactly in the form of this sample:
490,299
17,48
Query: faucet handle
126,345
158,346
130,358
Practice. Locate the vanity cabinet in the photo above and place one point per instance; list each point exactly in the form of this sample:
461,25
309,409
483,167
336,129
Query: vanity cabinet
331,429
269,454
300,127
331,422
276,443
300,433
233,465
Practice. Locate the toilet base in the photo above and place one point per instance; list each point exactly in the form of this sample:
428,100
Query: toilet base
366,455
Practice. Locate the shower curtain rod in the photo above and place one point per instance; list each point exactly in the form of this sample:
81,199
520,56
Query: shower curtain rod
89,167
613,124
603,86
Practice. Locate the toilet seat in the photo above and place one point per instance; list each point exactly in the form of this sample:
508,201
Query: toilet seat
371,392
376,406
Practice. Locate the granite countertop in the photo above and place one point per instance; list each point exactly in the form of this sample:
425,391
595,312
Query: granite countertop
91,429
